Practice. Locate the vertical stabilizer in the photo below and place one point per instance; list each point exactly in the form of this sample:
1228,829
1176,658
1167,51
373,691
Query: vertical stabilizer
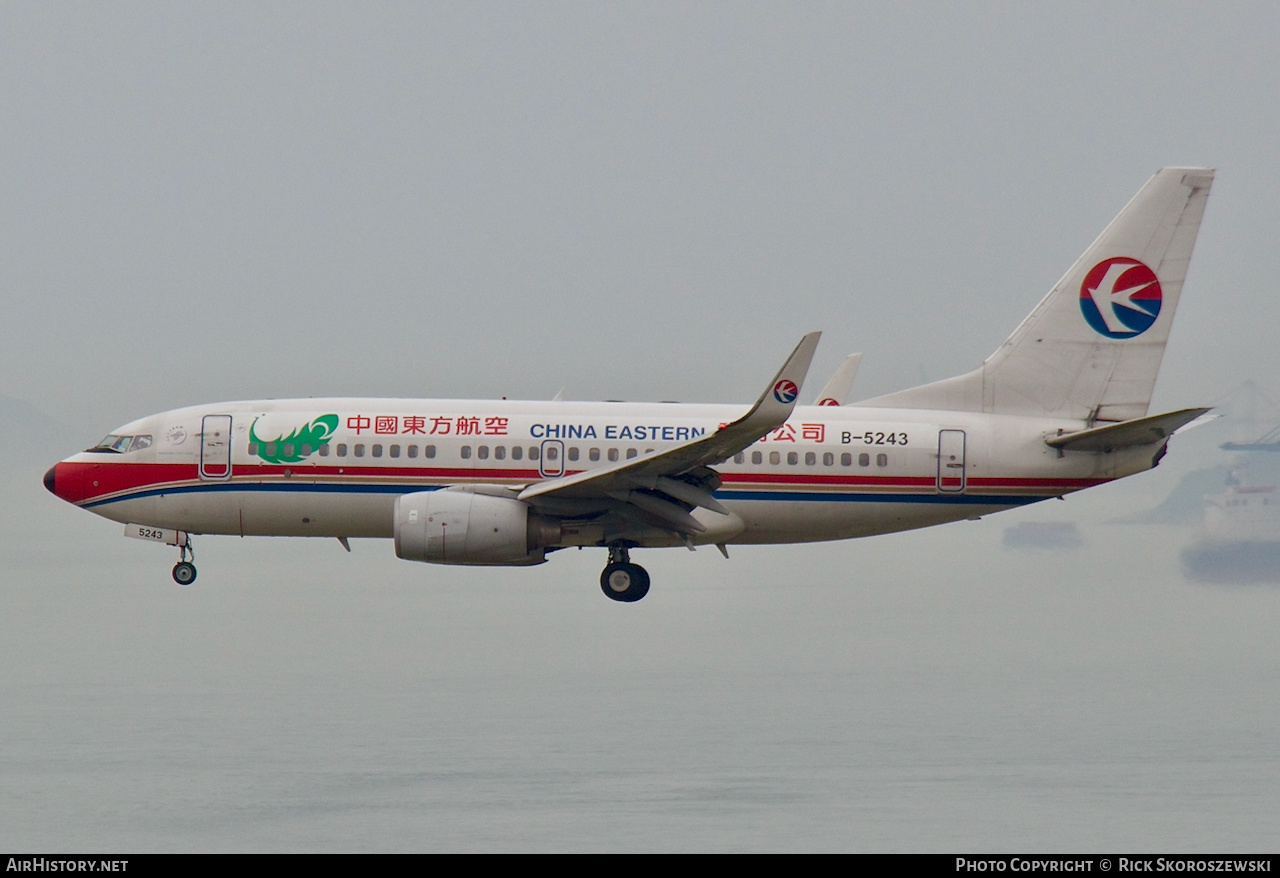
1092,347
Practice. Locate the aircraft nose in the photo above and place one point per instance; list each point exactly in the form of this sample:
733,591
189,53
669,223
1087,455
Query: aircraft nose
50,480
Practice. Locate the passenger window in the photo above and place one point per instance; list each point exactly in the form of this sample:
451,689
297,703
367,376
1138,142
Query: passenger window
846,460
593,454
413,451
828,459
483,452
253,448
573,453
324,450
288,449
395,450
306,449
342,449
882,460
431,451
271,449
739,457
792,458
757,457
775,458
533,452
377,450
466,452
864,460
631,452
517,452
359,449
553,453
810,459
613,454
500,452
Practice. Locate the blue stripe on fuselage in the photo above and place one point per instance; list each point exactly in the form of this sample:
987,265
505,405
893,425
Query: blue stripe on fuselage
726,495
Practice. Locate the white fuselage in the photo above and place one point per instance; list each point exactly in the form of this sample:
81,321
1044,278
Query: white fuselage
829,473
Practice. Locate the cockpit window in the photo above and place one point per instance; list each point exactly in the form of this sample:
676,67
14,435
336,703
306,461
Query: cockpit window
108,443
113,444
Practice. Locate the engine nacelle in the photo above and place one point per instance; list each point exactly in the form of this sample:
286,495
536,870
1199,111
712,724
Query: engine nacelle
463,527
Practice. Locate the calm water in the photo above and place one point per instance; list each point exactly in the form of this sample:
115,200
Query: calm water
925,691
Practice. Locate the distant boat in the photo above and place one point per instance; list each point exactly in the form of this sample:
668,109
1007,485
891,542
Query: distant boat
1240,538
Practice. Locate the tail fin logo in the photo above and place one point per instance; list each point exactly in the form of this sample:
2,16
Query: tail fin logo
1120,297
785,391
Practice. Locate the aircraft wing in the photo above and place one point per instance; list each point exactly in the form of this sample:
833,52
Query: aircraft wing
642,481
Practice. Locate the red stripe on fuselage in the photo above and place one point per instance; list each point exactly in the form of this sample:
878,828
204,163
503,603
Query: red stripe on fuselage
88,481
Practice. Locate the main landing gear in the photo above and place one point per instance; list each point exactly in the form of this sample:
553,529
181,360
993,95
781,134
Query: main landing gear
622,580
184,572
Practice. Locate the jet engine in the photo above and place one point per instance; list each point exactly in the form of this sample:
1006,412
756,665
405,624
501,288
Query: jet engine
466,527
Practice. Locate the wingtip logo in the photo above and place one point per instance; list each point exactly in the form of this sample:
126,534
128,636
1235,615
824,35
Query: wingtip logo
1120,297
785,391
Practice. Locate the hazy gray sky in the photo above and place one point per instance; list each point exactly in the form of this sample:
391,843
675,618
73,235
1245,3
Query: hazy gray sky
201,202
637,201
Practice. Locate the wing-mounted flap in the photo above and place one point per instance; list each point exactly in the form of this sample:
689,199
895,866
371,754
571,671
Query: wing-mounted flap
687,491
671,514
1126,434
694,495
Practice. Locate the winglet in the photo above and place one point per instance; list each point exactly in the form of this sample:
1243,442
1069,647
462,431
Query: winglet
779,398
836,391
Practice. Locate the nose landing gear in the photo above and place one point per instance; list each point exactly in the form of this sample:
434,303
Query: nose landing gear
622,580
184,572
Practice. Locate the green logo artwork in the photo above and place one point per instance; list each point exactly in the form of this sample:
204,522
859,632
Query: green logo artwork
289,449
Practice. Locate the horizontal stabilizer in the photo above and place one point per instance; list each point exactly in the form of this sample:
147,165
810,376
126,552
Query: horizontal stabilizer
1126,434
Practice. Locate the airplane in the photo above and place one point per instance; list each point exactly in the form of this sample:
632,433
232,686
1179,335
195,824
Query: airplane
1061,406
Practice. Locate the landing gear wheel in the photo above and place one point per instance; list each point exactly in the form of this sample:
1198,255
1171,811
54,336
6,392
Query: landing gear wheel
184,573
624,581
